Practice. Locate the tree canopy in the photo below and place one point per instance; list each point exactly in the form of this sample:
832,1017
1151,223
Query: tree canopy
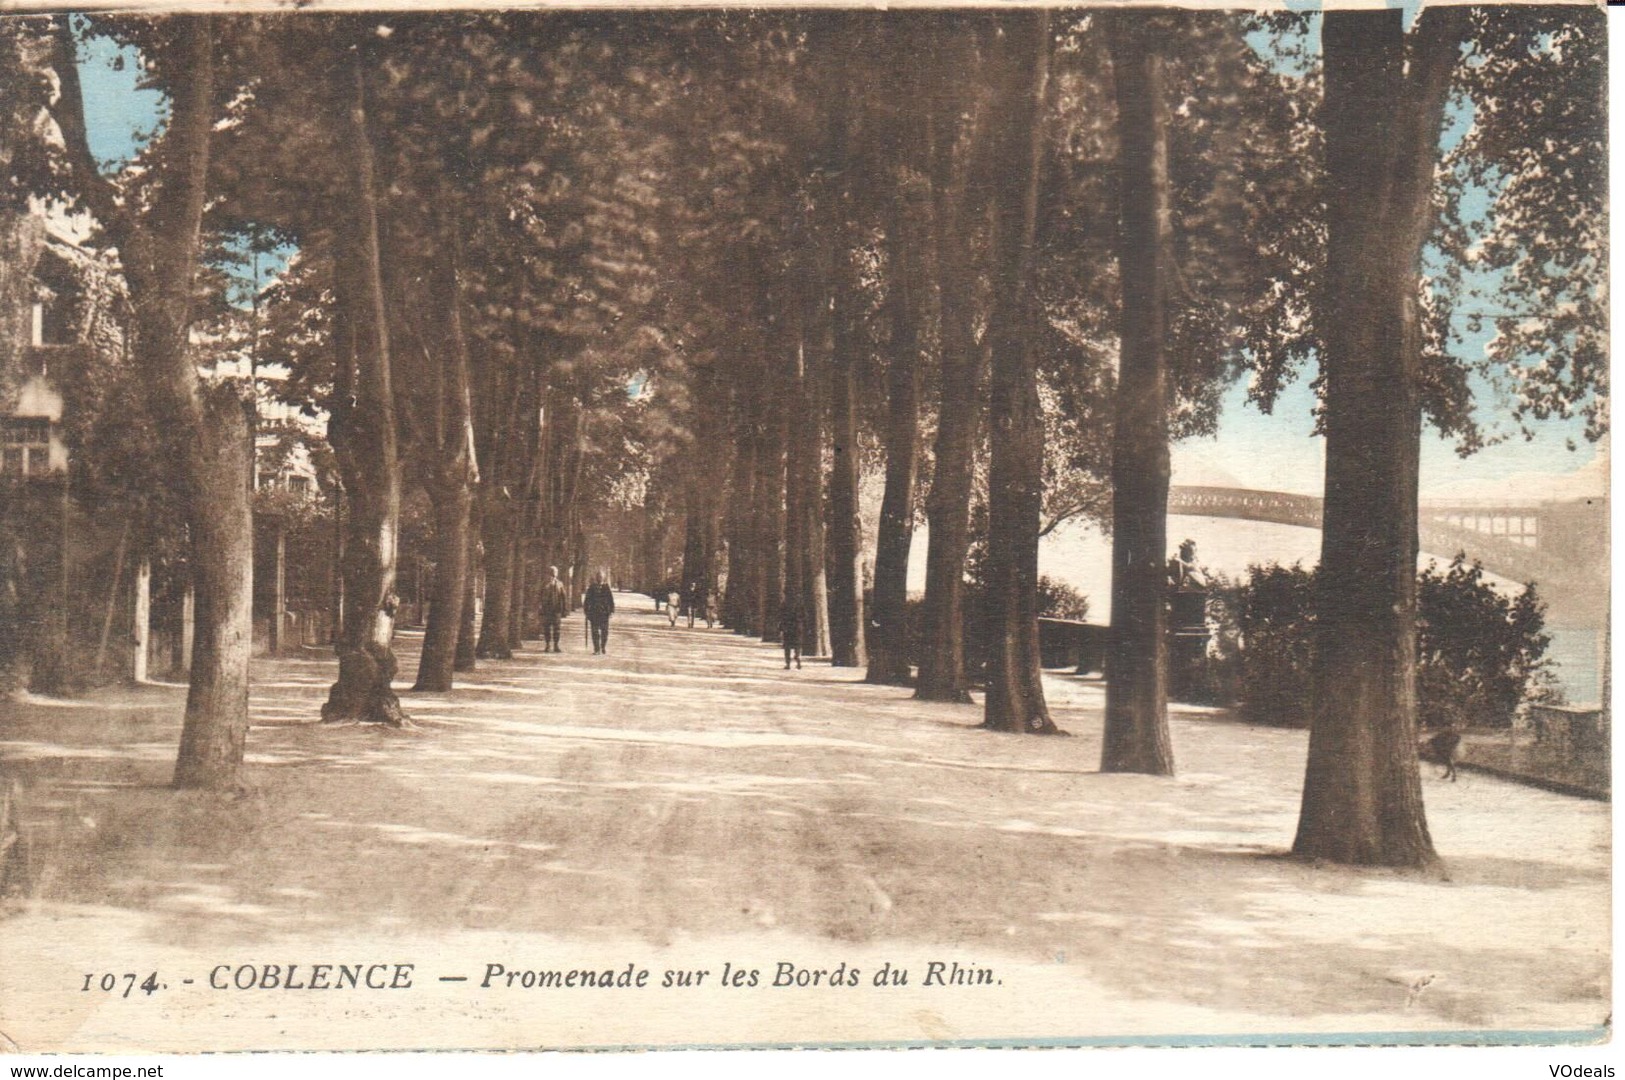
685,294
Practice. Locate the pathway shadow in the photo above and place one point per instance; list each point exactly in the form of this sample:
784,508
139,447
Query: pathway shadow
667,798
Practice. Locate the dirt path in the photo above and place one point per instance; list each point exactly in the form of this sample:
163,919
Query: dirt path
683,802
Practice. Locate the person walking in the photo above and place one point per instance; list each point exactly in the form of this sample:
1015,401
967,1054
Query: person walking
790,633
699,604
599,604
555,601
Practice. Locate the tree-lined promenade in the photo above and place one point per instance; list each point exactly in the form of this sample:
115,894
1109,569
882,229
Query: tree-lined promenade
682,803
692,276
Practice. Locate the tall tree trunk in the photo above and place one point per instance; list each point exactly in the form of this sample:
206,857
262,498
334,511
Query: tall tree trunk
814,584
579,560
769,510
497,532
559,472
453,514
452,474
496,504
362,431
739,601
519,580
549,470
279,599
888,642
1136,730
17,619
702,499
653,569
793,585
696,543
188,622
844,531
467,629
1362,796
547,509
503,391
947,509
905,241
335,578
221,469
1015,689
804,520
33,581
529,516
216,445
815,632
958,203
530,620
888,638
212,443
140,622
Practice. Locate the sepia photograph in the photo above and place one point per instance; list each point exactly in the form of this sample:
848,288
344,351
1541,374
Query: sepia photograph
628,528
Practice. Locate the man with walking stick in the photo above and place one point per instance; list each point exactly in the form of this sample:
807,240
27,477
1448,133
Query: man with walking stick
554,602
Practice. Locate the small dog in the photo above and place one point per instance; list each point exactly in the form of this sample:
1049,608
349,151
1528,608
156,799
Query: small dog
1442,748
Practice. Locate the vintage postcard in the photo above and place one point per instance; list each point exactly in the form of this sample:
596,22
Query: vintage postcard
793,526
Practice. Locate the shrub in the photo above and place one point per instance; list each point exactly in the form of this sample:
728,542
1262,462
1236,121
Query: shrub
1275,635
1480,654
1058,600
974,636
1219,680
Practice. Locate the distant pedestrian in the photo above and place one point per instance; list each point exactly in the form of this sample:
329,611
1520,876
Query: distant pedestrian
599,604
671,607
699,605
555,602
790,634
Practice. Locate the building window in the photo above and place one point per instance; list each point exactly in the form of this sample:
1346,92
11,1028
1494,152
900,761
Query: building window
299,485
56,322
56,302
26,441
25,430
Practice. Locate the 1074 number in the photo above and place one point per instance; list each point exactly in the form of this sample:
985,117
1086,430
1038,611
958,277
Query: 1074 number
110,983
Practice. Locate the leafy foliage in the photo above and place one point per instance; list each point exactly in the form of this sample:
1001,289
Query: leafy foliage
1275,635
1058,600
1522,243
32,166
1481,653
638,196
1518,251
1245,238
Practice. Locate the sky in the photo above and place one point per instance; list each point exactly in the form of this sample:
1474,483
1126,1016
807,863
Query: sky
118,114
1276,452
1279,452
